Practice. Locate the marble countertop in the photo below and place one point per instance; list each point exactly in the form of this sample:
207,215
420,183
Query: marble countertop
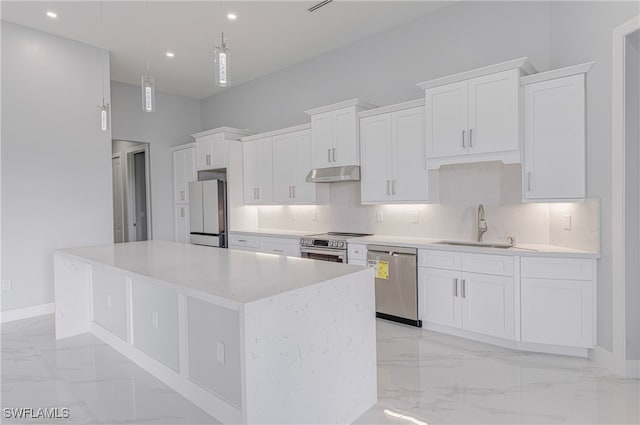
276,233
238,276
524,249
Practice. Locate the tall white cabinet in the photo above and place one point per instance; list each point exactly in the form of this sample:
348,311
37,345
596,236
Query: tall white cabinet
184,171
258,170
554,166
392,154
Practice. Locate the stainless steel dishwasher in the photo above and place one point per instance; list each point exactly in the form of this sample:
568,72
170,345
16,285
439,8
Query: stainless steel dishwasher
396,283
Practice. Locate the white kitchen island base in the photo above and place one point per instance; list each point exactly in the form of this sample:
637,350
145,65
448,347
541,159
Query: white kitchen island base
247,337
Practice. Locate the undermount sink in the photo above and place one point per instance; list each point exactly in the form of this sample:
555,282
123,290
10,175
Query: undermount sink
477,244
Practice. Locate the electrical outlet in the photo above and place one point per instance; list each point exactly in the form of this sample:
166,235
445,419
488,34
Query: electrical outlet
6,285
414,217
220,350
379,216
567,222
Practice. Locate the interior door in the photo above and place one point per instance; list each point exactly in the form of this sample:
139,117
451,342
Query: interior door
118,200
140,185
211,214
196,213
283,164
446,120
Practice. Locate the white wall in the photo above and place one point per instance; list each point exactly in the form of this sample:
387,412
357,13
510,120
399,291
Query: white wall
56,168
175,118
582,32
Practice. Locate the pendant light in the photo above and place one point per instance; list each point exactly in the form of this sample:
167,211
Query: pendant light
148,84
221,60
104,107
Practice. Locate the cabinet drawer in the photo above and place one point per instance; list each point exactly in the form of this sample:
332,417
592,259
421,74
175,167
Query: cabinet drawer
280,247
557,268
439,259
244,241
356,252
488,264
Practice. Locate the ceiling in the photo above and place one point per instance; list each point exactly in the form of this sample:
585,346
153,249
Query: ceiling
267,36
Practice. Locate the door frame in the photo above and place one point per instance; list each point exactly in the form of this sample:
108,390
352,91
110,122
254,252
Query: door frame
122,192
617,360
130,191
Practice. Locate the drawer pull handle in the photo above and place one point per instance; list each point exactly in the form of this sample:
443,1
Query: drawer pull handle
278,250
242,240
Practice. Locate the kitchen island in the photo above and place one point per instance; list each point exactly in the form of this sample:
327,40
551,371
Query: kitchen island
248,337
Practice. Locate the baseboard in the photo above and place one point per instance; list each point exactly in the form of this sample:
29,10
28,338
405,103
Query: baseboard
26,312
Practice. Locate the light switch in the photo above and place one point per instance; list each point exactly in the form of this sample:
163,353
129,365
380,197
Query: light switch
220,352
567,222
379,216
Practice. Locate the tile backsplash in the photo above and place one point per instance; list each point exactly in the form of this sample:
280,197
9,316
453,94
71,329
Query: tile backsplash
462,188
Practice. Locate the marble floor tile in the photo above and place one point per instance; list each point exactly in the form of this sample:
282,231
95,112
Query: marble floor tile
423,378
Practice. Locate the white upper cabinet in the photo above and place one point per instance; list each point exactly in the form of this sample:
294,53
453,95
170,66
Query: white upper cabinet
184,171
554,135
211,146
291,164
474,116
392,154
334,134
258,171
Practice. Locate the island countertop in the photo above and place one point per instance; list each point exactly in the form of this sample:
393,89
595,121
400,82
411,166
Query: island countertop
234,275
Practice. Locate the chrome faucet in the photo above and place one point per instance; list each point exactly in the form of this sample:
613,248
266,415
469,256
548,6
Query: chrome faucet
482,223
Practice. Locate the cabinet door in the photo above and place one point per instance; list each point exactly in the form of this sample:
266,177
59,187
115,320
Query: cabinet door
181,226
554,139
303,192
256,161
265,170
493,112
409,180
345,138
155,321
218,151
557,312
488,304
439,296
284,153
446,120
180,194
322,139
109,300
375,146
204,152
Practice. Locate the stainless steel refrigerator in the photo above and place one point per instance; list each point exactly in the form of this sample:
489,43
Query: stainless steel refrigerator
208,213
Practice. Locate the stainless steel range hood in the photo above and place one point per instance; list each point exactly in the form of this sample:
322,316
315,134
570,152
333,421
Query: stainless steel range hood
345,173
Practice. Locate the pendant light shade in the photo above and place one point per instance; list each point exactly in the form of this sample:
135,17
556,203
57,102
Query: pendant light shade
104,116
148,93
221,60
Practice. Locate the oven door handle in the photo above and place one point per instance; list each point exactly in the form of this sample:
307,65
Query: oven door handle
323,251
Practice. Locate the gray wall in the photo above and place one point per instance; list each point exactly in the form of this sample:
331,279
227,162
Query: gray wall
56,173
175,118
581,32
385,68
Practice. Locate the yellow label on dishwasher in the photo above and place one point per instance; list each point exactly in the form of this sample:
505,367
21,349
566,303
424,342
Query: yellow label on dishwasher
382,271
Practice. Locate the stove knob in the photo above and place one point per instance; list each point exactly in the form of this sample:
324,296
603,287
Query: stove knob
341,244
332,243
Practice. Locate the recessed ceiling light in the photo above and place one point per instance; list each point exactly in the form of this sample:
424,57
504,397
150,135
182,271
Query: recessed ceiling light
52,15
170,54
231,16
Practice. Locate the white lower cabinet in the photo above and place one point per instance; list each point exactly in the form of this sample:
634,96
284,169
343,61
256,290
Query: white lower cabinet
213,346
560,310
473,292
288,246
357,254
109,300
155,321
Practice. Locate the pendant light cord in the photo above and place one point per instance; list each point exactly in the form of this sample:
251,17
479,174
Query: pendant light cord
146,21
102,53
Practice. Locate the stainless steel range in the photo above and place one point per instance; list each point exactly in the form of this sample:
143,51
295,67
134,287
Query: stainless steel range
330,246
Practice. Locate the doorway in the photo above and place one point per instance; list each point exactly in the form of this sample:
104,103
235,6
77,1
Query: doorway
131,189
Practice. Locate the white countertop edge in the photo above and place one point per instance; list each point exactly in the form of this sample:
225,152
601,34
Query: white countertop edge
523,250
